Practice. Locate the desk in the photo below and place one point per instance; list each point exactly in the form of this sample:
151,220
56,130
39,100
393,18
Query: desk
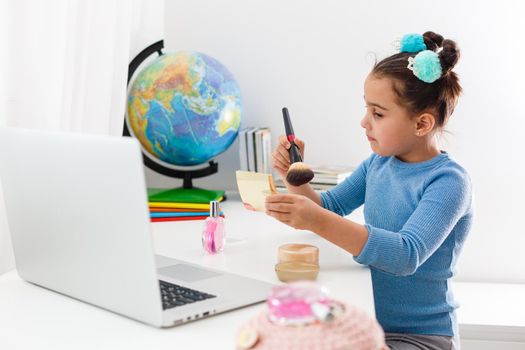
35,318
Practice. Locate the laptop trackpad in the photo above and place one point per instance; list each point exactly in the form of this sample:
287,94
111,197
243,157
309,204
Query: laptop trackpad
187,273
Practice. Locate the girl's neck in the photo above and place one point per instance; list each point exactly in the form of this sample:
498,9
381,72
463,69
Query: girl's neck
425,151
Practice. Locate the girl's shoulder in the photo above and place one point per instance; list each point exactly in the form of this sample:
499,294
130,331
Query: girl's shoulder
449,167
449,178
373,159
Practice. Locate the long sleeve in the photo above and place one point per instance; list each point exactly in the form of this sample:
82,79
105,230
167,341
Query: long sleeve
350,194
443,203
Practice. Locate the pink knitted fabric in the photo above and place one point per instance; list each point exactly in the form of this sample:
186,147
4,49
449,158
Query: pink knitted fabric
354,330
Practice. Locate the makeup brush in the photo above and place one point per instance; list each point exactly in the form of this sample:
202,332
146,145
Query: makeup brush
299,173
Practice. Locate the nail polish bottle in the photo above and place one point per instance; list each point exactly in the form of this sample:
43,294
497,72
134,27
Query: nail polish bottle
213,234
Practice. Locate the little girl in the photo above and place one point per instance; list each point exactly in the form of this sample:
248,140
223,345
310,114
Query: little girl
417,199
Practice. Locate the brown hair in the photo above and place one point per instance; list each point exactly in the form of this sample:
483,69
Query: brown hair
439,97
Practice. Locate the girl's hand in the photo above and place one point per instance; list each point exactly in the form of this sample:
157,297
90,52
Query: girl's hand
281,157
294,210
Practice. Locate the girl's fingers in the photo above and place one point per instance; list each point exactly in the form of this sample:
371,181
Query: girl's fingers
279,207
283,140
278,162
283,153
300,144
283,217
280,198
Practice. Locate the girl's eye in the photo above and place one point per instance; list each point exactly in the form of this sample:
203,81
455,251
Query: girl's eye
374,113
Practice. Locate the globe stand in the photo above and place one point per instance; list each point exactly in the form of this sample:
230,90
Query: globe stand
187,190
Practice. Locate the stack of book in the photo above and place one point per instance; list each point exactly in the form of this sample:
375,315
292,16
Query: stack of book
255,150
180,204
330,174
325,176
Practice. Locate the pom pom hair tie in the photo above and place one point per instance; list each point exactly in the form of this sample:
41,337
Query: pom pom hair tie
412,43
426,66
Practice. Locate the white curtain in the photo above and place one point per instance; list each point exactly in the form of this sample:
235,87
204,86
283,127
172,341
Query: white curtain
63,66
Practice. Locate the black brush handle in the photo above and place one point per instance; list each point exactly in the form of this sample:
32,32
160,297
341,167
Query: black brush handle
295,154
288,124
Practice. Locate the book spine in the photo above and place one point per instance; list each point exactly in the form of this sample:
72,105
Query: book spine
243,151
267,151
259,167
250,140
255,150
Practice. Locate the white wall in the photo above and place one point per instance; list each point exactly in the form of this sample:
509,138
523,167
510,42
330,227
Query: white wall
313,56
7,261
148,25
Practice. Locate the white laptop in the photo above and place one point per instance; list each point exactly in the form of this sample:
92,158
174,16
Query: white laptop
79,221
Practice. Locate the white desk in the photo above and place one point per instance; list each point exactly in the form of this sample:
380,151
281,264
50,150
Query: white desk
491,312
34,318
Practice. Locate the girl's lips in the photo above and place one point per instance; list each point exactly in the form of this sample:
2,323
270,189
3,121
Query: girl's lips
370,138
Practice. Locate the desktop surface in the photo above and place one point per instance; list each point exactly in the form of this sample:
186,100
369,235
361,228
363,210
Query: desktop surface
33,317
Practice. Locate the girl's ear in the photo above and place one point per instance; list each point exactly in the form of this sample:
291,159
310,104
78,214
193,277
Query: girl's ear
424,124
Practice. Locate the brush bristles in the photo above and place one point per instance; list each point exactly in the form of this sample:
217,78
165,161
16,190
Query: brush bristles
299,174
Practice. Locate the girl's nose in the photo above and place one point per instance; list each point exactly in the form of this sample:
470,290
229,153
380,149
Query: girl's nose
364,122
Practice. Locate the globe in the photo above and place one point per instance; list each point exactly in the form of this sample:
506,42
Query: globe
184,108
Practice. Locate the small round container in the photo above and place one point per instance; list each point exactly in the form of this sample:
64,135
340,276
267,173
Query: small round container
297,262
296,271
299,252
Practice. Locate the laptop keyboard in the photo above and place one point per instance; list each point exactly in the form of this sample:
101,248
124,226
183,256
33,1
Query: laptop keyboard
174,295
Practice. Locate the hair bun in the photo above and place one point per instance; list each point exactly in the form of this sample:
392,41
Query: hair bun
433,41
449,55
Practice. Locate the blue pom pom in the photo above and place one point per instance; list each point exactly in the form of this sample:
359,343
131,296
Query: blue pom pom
412,43
426,66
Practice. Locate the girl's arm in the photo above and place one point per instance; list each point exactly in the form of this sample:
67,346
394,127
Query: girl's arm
350,194
305,190
342,232
302,213
445,204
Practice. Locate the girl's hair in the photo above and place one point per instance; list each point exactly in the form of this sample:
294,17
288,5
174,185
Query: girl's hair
439,97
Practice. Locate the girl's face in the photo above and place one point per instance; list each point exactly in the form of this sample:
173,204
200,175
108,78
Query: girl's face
389,128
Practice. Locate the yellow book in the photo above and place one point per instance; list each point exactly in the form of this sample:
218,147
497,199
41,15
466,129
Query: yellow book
254,188
180,205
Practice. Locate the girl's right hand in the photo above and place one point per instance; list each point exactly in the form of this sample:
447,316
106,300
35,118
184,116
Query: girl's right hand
281,156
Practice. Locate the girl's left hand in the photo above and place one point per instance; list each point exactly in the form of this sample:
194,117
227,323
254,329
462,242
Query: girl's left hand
294,210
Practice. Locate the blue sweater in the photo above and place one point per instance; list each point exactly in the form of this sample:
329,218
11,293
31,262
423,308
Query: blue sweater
418,216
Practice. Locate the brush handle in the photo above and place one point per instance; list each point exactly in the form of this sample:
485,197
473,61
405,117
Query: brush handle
295,154
288,125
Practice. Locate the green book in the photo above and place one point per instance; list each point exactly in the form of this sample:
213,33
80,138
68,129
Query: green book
184,195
